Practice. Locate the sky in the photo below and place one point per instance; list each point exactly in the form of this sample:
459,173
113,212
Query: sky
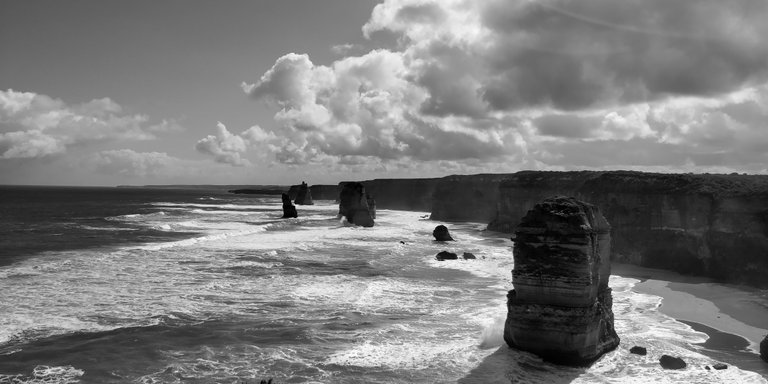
108,92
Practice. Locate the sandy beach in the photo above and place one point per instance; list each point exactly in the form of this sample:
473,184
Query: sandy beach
734,317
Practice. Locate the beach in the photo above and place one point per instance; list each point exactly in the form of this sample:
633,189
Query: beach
735,318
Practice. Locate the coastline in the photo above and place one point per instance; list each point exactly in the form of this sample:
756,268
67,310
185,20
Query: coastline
734,317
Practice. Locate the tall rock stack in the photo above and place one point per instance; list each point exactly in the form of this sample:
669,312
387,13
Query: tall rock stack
289,210
353,205
560,308
304,196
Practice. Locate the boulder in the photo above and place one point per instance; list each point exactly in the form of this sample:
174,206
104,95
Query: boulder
638,350
289,210
304,196
764,349
353,205
561,307
468,256
445,255
670,362
719,366
441,233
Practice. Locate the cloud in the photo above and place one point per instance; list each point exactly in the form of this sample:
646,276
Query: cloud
228,148
35,125
129,163
544,84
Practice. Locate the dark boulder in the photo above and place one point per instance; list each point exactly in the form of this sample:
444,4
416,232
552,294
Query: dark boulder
445,255
441,233
670,362
764,349
353,205
304,196
638,350
468,256
719,366
289,210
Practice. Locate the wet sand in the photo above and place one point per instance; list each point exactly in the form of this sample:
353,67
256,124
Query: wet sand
734,317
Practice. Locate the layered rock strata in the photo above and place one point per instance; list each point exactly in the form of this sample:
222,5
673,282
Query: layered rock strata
353,205
560,308
303,195
289,210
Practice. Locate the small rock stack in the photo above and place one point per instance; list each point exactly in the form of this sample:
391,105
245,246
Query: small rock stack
289,210
353,205
560,308
304,196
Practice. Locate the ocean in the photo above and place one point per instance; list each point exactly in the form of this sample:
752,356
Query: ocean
121,285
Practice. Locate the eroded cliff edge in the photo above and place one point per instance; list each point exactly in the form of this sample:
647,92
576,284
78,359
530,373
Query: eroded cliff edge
712,225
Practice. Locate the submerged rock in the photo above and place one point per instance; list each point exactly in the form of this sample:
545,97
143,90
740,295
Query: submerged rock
353,205
289,210
560,308
468,256
670,362
764,349
445,255
304,196
441,233
638,350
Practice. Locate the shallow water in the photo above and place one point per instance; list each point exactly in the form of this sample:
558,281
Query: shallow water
238,294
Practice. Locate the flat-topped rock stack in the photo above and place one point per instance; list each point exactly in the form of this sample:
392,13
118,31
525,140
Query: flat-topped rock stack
560,308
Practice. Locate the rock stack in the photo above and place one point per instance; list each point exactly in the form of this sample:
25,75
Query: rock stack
353,205
560,308
764,349
371,205
289,210
441,233
304,196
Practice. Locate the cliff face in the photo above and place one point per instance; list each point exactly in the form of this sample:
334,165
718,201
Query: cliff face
325,192
403,194
714,225
467,198
560,308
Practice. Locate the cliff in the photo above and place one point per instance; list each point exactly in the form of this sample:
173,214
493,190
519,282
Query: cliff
560,308
713,225
403,194
325,192
467,198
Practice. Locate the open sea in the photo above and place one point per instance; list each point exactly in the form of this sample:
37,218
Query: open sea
121,285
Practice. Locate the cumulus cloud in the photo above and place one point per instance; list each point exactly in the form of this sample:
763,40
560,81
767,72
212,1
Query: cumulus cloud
228,148
35,125
533,83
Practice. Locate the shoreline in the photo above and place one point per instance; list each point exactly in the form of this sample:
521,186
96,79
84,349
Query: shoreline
735,318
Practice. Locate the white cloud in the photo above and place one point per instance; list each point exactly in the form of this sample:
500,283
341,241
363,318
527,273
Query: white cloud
34,125
229,148
544,84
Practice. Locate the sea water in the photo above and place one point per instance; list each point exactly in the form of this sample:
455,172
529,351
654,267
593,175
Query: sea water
110,285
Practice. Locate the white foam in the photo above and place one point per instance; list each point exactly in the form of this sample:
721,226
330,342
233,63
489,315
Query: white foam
43,374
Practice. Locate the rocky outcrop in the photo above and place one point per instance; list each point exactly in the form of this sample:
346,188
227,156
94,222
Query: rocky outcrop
560,308
289,210
712,225
371,205
467,198
764,349
671,362
642,351
353,205
441,233
303,195
445,255
468,256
